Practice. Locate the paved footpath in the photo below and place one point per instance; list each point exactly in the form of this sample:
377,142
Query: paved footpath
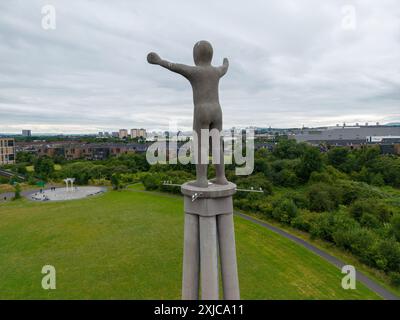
26,193
367,281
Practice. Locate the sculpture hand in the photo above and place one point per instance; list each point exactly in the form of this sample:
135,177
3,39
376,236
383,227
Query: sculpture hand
153,58
226,62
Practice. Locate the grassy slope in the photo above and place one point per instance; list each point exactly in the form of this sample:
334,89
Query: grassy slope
129,245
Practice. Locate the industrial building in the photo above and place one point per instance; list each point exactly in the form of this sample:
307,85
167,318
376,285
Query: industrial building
349,135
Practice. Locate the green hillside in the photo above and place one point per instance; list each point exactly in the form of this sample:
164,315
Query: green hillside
128,245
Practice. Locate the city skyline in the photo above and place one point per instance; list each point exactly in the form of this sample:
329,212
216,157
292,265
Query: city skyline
291,64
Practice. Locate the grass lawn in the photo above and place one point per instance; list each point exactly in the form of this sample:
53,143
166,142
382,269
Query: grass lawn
128,245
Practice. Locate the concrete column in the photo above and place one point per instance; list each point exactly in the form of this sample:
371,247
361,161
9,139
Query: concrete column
227,250
191,258
209,258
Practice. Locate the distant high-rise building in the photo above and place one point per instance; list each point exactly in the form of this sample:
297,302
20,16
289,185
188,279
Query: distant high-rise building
123,133
142,133
7,151
26,133
134,133
138,133
115,134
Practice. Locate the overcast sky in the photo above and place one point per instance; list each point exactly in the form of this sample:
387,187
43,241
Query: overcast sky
292,63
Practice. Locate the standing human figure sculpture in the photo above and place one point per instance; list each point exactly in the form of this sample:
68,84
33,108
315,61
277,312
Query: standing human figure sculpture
209,228
204,79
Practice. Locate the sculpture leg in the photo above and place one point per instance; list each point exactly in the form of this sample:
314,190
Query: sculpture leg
191,258
209,258
201,155
227,249
218,149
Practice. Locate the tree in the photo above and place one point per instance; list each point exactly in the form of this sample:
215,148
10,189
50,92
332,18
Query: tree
17,190
323,197
310,161
288,149
285,210
395,226
337,157
364,210
286,178
44,167
115,181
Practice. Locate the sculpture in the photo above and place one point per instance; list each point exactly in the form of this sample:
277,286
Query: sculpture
208,206
204,79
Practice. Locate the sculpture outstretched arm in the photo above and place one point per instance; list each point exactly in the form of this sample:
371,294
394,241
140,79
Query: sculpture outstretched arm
184,70
224,68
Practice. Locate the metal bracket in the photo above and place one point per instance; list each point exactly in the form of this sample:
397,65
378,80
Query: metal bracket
195,196
260,190
169,183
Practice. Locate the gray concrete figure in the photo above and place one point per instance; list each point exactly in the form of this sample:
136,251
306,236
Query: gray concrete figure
209,230
204,79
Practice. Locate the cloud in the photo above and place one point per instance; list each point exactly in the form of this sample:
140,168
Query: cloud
291,63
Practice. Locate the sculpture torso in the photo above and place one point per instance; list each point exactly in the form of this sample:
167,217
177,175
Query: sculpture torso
205,81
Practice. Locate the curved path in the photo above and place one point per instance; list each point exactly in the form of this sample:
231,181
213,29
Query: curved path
364,279
371,284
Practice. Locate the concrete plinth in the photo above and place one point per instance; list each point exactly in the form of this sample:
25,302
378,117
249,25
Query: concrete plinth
209,225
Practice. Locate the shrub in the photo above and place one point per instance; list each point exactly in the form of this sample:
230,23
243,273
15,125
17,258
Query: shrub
395,226
284,210
323,197
395,278
256,181
358,241
322,227
363,209
286,178
17,190
310,161
304,220
388,255
299,198
116,181
152,181
356,190
316,177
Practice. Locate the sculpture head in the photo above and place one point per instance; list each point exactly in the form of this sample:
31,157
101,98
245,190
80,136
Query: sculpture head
202,53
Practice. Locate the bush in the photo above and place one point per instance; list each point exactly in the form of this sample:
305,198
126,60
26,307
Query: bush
357,190
116,182
152,181
365,209
395,278
316,177
304,220
323,197
256,181
358,241
310,161
388,255
284,210
286,178
17,194
395,226
299,198
322,227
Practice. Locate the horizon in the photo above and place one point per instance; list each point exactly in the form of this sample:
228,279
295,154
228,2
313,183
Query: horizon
90,133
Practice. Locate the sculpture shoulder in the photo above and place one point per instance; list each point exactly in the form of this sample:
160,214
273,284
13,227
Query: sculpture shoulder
208,71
